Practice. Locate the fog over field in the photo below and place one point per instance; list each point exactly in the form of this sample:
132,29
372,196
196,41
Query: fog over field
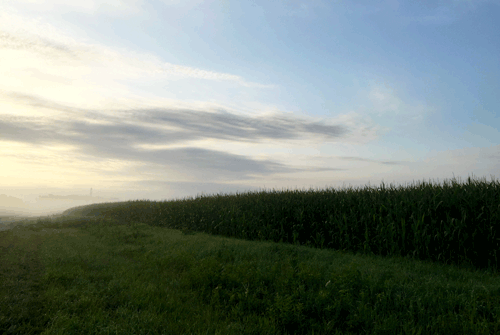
170,99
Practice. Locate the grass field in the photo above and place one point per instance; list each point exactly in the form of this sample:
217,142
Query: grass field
266,263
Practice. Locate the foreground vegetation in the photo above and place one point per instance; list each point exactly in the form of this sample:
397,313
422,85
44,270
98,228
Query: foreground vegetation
370,267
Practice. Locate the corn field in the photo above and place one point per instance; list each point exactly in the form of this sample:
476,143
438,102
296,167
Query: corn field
453,223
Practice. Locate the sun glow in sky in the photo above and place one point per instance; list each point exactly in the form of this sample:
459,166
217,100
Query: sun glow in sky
163,100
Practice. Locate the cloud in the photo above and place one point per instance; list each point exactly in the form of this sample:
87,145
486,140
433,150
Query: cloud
436,164
110,7
145,124
28,46
122,135
127,66
386,103
384,100
36,44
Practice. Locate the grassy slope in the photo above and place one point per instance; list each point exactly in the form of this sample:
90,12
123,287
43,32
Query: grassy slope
95,277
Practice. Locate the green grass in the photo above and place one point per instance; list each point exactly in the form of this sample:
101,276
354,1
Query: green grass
127,269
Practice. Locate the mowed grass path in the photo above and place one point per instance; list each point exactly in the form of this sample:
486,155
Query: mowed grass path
95,276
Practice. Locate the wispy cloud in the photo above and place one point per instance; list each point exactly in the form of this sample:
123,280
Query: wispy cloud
120,135
109,7
120,65
386,103
41,59
36,44
166,145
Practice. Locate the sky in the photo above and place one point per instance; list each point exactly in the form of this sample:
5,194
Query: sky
171,99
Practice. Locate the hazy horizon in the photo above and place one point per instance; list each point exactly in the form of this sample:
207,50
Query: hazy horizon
172,99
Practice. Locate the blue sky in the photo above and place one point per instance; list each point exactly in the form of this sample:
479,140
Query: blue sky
170,99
